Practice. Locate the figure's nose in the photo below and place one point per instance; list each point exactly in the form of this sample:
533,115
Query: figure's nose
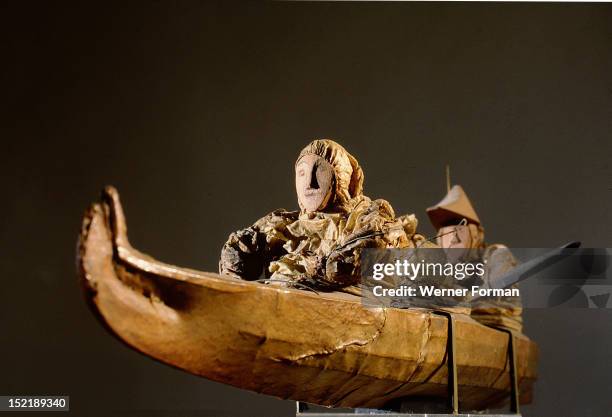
314,184
456,238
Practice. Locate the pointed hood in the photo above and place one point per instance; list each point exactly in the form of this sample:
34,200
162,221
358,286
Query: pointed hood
454,206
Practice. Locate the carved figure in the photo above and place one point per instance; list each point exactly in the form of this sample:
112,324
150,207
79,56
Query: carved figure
459,227
319,245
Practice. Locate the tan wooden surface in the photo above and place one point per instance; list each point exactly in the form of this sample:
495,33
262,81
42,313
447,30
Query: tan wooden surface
321,348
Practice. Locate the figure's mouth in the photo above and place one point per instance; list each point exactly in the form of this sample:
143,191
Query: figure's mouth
311,192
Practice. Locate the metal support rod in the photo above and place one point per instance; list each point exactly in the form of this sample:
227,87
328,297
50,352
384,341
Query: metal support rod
514,386
453,385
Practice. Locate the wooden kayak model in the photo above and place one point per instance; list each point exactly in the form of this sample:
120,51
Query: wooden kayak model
322,348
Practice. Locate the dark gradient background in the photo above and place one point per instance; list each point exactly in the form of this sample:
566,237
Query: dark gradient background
196,112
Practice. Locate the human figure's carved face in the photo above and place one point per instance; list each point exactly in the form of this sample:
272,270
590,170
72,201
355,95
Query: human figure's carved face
454,237
314,178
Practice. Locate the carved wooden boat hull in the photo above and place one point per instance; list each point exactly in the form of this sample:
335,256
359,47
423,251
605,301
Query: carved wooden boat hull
319,348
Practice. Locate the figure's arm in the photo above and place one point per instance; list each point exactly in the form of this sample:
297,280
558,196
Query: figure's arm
376,227
247,252
242,255
343,267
